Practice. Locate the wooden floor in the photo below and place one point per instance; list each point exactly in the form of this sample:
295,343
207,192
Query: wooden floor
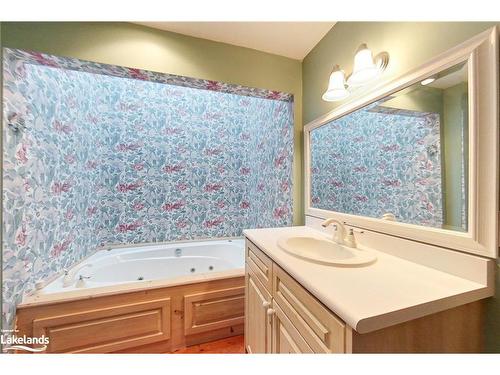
231,345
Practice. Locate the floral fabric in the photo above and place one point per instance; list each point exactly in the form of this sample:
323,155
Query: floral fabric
110,157
37,58
374,161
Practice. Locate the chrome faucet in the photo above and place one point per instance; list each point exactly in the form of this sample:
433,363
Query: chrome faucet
69,276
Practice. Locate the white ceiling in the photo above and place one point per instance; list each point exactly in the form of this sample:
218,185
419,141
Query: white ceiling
289,39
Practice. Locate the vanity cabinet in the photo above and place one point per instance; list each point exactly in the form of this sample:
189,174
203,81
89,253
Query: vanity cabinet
281,316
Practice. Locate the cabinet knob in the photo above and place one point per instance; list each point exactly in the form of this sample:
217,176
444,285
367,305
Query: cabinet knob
270,312
266,304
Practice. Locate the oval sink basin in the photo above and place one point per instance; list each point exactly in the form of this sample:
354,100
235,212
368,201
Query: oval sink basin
324,251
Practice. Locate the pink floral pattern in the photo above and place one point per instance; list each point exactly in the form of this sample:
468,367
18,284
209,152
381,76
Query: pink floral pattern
371,162
144,75
112,155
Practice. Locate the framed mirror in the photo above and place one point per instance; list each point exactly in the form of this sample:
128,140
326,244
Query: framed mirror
418,157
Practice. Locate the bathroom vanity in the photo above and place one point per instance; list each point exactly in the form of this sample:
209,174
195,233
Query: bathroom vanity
409,174
393,305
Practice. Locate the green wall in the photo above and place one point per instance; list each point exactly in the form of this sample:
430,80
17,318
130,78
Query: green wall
451,105
409,44
141,47
454,134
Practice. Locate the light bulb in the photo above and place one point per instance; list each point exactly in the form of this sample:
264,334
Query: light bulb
427,81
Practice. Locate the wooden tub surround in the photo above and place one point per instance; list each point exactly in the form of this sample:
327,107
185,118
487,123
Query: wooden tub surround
158,320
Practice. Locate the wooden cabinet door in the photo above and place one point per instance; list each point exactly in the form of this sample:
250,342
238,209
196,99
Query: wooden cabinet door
257,323
286,338
209,311
318,326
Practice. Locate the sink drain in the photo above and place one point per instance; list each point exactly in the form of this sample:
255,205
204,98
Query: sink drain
193,269
140,278
211,268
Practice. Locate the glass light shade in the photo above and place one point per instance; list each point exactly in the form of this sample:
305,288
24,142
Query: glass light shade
336,86
364,69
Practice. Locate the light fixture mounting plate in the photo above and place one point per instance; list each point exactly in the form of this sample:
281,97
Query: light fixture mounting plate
382,60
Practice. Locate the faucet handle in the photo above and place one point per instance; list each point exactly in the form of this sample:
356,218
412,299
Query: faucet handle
350,240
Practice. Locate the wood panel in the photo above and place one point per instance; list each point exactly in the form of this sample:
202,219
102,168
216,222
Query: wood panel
258,325
457,330
190,341
323,330
286,345
206,311
133,311
260,264
104,330
286,337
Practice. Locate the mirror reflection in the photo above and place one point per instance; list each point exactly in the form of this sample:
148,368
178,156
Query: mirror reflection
401,158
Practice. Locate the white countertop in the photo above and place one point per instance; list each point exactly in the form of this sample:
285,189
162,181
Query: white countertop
390,291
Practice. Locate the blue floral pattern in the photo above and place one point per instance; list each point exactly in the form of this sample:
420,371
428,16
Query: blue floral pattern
114,158
376,161
37,58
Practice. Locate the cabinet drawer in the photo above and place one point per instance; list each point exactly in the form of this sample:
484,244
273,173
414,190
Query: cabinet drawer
320,328
260,264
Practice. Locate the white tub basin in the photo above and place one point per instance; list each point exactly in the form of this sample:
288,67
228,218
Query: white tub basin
147,263
323,251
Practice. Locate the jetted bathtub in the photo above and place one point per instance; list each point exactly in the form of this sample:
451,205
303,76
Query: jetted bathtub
147,299
153,262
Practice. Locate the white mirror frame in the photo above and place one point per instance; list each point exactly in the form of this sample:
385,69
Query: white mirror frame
481,53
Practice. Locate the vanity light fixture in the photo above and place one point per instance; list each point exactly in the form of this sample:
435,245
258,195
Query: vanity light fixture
427,81
337,89
366,68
